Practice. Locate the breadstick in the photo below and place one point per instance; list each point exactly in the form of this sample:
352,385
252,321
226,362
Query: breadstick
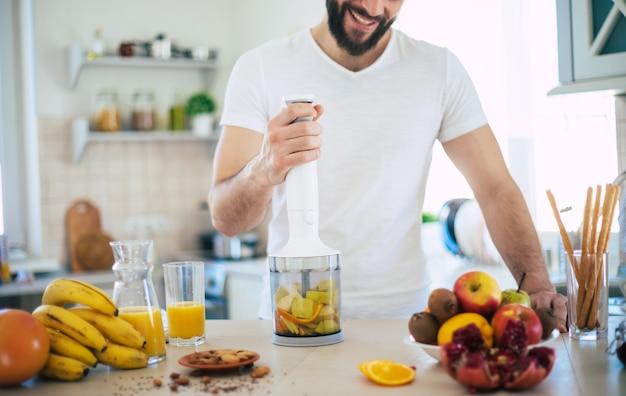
610,198
567,244
594,220
587,294
585,288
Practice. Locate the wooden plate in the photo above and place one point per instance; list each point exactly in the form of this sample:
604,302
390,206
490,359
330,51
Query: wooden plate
187,359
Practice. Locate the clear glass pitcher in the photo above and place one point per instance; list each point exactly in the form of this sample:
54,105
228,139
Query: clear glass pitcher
134,293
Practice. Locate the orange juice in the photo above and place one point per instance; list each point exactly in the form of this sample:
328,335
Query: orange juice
185,319
148,321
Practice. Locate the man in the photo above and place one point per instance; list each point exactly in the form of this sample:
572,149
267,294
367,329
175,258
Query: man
386,98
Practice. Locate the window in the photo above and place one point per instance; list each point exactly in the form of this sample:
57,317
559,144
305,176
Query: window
509,47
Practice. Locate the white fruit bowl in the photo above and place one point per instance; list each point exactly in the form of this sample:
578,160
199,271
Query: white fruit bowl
434,350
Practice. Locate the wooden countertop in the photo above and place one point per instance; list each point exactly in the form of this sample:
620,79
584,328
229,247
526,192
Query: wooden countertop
581,368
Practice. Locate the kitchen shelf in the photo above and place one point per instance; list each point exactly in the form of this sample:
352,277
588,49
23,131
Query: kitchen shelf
82,136
77,60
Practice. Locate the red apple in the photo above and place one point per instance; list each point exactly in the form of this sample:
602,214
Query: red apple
520,313
477,292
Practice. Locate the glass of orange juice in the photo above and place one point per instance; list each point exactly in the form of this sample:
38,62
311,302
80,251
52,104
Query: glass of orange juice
184,302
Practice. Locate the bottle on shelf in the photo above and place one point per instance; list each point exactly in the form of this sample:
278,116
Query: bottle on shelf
177,120
5,268
97,46
143,115
107,117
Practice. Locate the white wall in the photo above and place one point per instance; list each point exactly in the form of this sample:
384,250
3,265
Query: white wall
232,27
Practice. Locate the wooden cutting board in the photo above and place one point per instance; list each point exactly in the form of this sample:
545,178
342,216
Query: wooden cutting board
88,246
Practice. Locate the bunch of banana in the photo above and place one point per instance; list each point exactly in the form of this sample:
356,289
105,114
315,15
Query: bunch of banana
64,368
64,291
89,333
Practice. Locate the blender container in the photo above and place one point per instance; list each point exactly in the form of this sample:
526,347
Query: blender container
305,273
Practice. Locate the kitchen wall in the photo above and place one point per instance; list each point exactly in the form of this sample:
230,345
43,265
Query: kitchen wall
127,179
155,178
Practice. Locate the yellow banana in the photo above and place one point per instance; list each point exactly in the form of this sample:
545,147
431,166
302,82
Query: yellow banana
71,325
113,328
64,368
122,357
63,291
63,345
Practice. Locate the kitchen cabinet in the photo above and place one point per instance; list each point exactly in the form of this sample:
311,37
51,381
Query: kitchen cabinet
244,281
591,45
82,136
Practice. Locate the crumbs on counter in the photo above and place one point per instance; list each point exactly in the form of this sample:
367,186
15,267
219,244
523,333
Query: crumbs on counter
198,381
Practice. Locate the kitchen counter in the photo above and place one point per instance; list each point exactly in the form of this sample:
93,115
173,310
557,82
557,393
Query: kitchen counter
581,368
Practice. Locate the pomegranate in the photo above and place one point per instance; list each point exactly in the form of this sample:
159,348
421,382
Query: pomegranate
508,365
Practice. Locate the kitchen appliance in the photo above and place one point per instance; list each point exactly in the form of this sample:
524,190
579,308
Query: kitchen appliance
215,302
305,273
238,247
465,233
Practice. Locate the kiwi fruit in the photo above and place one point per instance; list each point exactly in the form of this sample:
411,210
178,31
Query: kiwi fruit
548,320
443,304
424,327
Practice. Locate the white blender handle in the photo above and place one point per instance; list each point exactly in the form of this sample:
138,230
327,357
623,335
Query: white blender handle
303,205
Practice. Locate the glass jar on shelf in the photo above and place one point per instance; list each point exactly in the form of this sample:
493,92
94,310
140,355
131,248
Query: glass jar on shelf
143,116
107,117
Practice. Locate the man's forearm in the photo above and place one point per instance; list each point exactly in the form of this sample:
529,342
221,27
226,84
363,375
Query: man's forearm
239,203
515,236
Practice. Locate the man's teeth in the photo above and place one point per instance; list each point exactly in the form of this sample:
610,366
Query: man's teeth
360,19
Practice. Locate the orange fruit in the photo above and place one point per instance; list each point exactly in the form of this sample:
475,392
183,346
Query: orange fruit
448,327
387,372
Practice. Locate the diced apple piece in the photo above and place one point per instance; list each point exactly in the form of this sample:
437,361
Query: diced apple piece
285,303
335,301
293,328
326,285
296,290
331,326
319,296
327,326
327,312
280,293
302,308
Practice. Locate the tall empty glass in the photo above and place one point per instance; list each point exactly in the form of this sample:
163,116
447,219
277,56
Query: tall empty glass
184,301
135,296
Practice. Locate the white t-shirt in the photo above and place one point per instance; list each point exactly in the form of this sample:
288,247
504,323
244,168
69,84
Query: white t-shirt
379,124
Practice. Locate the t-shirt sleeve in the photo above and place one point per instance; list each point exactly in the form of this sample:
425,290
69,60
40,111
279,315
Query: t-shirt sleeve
244,103
462,110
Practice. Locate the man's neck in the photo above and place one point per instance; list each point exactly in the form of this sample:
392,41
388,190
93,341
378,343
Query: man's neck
326,41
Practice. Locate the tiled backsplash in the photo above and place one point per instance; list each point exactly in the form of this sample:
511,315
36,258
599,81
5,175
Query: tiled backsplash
124,179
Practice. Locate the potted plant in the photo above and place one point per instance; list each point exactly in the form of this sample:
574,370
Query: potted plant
200,108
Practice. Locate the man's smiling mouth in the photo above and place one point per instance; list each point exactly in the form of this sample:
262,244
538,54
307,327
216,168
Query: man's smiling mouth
360,19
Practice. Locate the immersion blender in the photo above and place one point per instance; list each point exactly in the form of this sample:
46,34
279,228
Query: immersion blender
305,273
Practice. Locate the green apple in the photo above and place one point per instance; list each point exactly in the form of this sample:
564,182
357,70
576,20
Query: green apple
515,296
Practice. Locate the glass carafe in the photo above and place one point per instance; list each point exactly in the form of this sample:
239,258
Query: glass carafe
135,296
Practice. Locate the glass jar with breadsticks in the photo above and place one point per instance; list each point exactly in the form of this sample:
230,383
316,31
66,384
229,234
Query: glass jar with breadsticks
587,263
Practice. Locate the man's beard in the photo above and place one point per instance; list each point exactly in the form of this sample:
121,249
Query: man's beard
354,48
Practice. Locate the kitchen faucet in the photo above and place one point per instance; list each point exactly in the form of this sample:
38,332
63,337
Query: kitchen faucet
621,269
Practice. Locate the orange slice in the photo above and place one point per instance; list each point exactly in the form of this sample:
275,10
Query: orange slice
387,372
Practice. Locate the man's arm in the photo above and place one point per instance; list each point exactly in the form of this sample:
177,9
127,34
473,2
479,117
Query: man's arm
248,165
238,198
478,156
